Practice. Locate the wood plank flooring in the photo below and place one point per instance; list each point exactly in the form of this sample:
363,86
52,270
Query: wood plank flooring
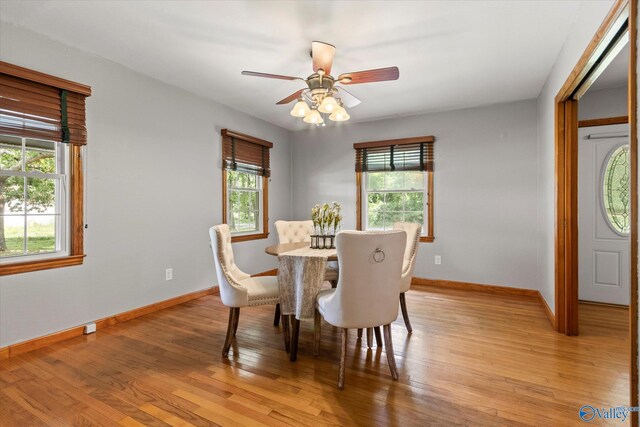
473,359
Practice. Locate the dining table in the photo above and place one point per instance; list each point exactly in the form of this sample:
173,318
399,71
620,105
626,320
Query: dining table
282,248
297,296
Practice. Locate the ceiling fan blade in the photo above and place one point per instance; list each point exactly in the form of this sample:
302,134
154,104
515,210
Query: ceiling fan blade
291,97
269,76
322,54
348,100
370,76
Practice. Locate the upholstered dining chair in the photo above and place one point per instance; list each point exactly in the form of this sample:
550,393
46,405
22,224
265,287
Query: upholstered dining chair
408,264
301,231
238,289
294,231
367,291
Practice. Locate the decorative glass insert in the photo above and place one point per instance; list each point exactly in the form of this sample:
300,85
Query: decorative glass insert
615,190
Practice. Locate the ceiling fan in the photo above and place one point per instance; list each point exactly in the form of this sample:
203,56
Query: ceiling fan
321,91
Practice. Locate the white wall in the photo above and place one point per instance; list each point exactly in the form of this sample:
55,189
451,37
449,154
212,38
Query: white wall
603,103
154,189
485,187
585,25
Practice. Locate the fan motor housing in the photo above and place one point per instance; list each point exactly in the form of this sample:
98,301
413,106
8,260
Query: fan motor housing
323,82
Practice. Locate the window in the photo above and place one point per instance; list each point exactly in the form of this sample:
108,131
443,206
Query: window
395,183
244,191
392,197
42,131
33,194
245,180
615,190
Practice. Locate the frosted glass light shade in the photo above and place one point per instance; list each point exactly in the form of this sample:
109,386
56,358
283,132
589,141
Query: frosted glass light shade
300,109
340,115
313,117
328,105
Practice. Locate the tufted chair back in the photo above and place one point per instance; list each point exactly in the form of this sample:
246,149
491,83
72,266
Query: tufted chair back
410,251
368,288
232,293
294,231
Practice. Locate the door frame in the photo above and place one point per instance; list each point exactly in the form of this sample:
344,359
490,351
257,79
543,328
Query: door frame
622,14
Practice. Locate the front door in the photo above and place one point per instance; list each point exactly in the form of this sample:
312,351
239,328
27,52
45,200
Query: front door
604,214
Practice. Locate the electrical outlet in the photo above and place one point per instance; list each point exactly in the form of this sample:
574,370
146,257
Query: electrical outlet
168,274
438,260
89,328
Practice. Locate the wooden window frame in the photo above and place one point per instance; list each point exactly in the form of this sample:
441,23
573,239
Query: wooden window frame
623,12
265,211
265,193
429,226
76,185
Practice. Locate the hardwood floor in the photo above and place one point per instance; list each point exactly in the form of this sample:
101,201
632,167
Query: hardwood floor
473,359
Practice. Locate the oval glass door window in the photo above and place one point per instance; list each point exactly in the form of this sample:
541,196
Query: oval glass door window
615,190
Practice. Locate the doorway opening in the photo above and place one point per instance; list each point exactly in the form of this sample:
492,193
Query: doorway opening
617,33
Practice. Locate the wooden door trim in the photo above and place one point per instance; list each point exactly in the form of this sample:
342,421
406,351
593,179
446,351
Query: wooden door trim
633,149
623,13
566,168
605,121
616,19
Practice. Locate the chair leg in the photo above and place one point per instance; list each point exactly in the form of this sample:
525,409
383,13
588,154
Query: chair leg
378,336
359,333
405,314
317,322
286,332
276,317
236,320
369,337
343,358
227,341
388,345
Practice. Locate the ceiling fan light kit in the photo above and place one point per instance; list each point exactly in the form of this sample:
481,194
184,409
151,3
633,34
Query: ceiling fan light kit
321,94
340,115
300,109
313,117
328,105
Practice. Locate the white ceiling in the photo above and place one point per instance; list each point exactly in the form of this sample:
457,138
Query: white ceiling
451,54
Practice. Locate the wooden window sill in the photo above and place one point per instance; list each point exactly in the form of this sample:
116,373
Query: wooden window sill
247,237
427,239
45,264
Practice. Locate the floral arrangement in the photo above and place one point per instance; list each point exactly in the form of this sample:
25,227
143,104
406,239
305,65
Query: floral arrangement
326,218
